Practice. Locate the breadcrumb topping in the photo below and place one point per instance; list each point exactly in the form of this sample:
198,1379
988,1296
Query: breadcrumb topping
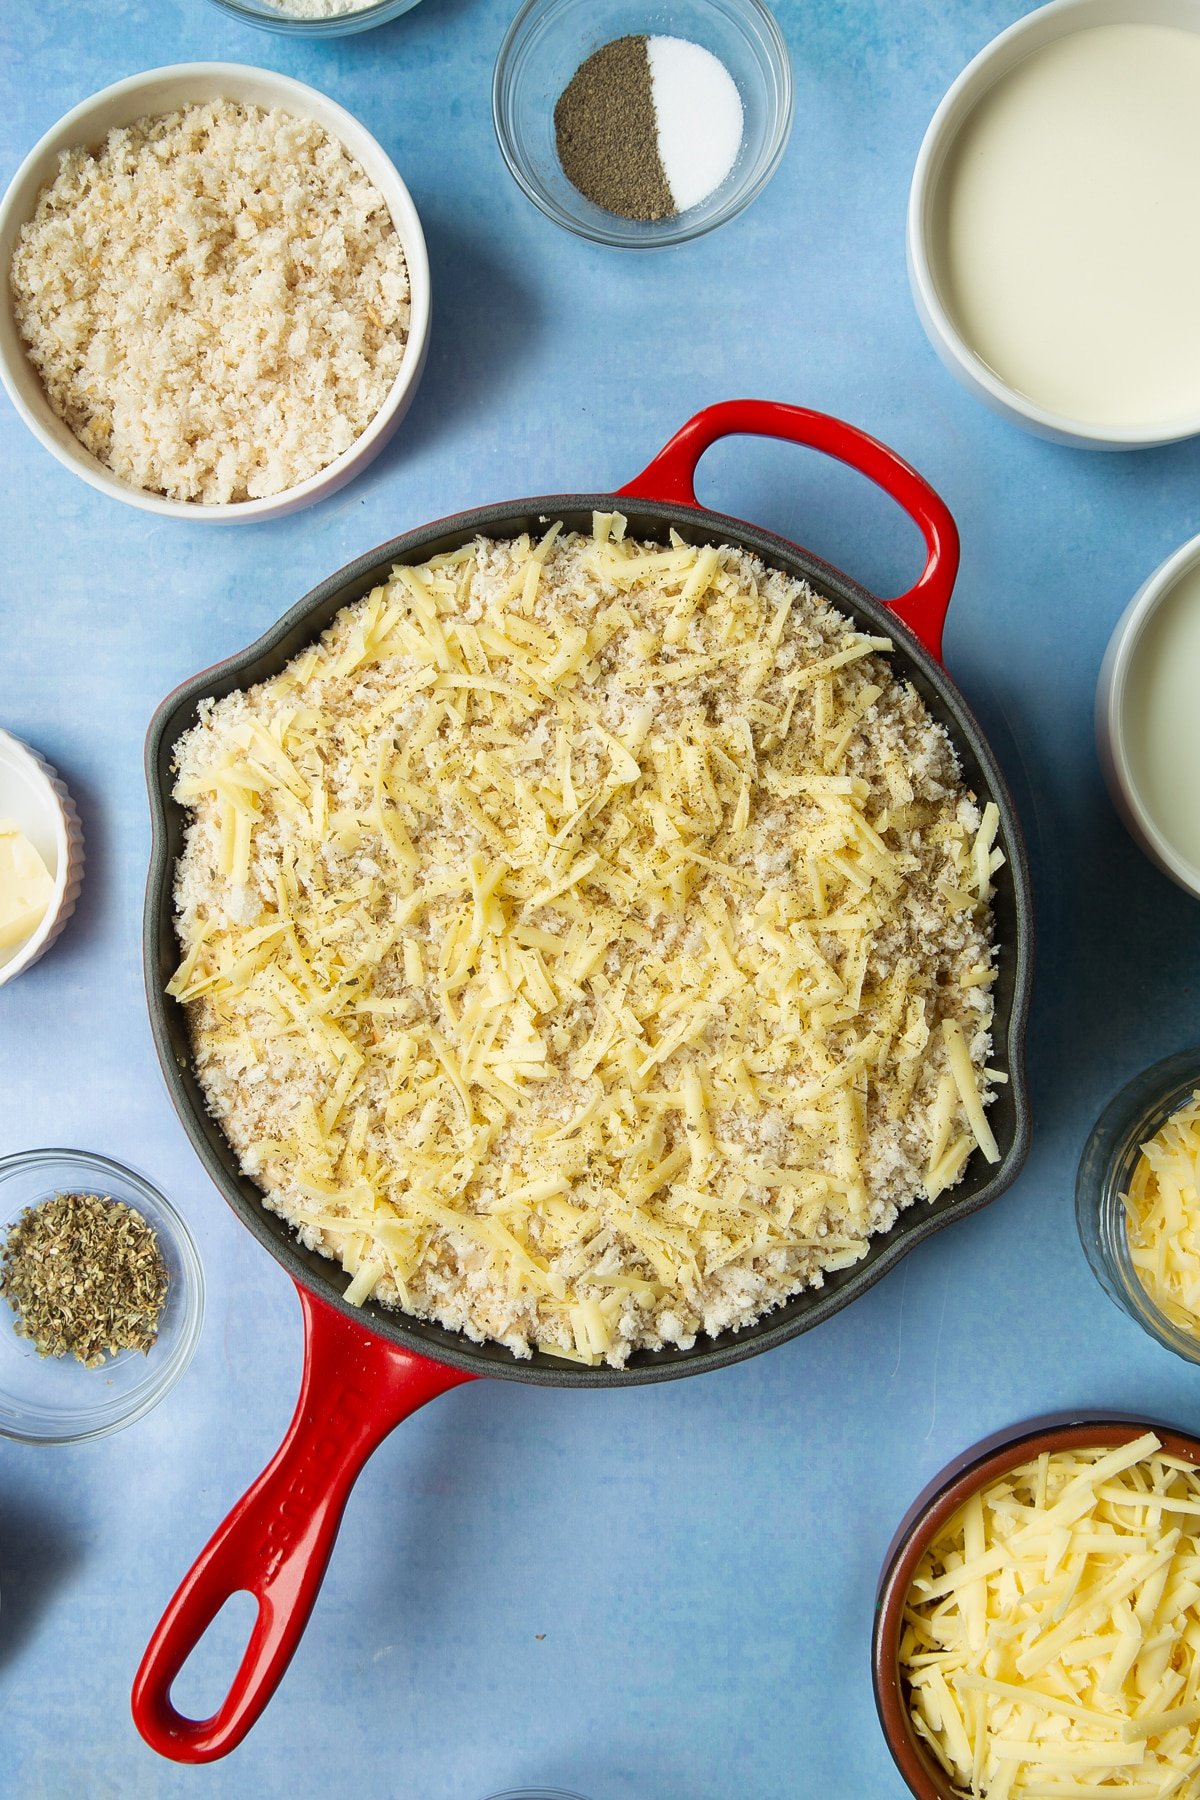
587,943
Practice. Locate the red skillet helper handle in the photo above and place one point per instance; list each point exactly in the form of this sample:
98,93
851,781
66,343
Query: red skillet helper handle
671,477
277,1541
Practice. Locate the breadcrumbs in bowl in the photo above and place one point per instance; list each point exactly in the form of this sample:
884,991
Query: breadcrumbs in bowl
219,293
587,943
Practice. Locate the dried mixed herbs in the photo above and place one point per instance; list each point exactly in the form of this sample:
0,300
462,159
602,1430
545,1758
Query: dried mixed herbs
85,1276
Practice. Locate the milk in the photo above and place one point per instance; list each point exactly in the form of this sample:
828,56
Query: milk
1160,717
1070,226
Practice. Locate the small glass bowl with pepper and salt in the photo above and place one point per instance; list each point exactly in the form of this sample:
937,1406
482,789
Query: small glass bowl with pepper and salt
638,125
101,1296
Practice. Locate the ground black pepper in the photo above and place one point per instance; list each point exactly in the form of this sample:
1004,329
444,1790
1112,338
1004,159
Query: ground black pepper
607,135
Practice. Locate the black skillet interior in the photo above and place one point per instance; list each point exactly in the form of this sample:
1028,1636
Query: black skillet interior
647,520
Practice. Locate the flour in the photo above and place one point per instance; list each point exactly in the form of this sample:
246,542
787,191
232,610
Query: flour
319,9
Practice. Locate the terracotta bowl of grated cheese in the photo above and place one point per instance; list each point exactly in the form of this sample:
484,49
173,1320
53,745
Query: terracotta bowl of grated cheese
371,1357
1035,1628
216,293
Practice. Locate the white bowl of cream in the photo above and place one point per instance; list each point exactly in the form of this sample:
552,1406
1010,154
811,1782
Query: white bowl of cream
1148,716
1053,234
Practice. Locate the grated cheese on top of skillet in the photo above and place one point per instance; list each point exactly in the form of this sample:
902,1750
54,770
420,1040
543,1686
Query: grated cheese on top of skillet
587,943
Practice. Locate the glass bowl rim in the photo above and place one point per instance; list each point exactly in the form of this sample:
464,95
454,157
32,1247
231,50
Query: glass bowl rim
536,1793
192,1296
674,230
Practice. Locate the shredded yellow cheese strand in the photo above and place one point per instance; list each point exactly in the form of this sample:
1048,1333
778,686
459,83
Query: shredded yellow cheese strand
1050,1642
1162,1217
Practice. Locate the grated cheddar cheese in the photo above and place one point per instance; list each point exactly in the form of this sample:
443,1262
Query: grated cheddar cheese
587,943
1050,1639
1162,1217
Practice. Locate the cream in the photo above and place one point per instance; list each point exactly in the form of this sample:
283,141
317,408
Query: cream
1161,717
1070,230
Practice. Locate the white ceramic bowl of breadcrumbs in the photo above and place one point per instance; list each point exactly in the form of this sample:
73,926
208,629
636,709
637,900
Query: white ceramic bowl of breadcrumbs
216,293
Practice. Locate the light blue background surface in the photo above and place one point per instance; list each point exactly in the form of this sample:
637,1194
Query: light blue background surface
663,1593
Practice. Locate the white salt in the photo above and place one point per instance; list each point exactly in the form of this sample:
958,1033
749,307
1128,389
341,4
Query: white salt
699,114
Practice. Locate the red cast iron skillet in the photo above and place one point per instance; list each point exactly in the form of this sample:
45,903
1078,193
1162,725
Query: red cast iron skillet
366,1368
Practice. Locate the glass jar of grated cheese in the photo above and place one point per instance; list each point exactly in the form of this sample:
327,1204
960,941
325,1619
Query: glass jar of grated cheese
1136,1256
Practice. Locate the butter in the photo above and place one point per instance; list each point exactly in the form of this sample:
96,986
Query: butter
26,886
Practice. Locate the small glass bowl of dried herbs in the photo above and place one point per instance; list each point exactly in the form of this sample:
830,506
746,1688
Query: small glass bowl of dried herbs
101,1296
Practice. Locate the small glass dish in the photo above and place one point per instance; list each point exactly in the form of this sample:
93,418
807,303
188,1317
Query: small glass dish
546,43
269,18
54,1399
1105,1172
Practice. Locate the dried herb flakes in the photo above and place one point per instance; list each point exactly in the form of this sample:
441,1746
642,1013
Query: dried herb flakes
85,1276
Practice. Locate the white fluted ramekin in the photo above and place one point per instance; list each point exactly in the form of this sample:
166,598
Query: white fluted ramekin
33,796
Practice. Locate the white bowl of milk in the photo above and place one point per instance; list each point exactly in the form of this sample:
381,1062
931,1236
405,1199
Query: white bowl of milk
1148,716
1053,232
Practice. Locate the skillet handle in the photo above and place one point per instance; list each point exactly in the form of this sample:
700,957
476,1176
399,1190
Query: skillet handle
277,1541
671,477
